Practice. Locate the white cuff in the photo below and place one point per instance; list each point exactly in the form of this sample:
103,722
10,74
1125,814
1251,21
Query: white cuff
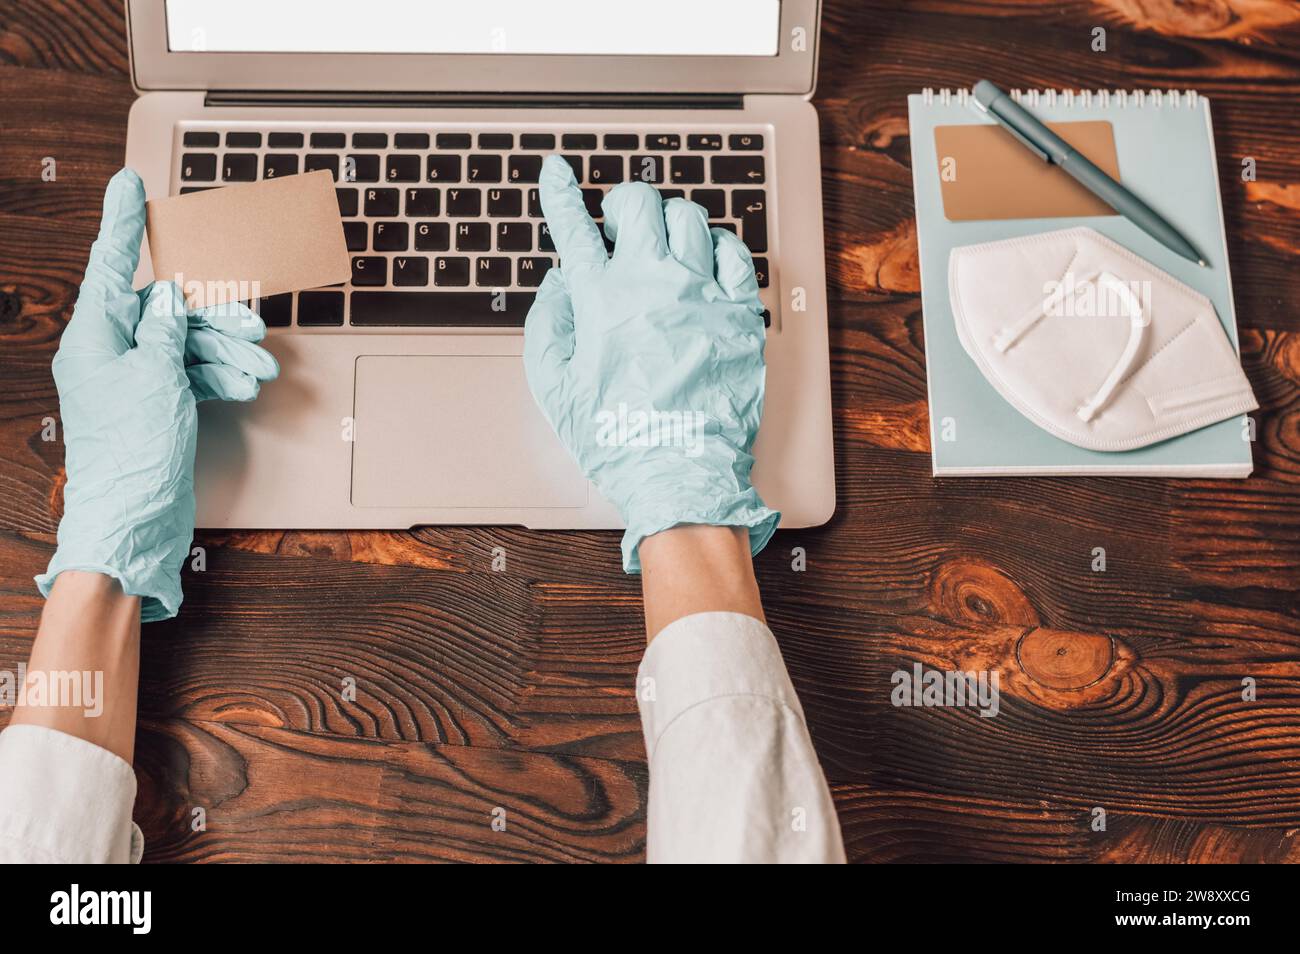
733,774
64,800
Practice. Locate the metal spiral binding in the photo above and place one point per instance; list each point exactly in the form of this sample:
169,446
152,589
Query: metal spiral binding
1086,98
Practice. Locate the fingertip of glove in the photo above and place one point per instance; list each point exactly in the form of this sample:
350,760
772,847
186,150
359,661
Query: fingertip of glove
126,182
556,172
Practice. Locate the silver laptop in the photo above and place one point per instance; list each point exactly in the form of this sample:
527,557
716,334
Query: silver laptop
402,398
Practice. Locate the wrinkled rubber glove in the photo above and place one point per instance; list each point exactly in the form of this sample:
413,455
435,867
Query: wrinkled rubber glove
649,363
128,371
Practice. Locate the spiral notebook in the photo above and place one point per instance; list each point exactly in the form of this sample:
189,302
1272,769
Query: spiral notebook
1161,144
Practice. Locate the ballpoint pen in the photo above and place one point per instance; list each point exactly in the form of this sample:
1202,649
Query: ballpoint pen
1050,147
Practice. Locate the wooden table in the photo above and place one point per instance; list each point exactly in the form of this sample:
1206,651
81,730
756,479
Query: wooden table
479,690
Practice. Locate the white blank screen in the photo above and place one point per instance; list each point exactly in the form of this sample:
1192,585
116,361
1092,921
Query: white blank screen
572,27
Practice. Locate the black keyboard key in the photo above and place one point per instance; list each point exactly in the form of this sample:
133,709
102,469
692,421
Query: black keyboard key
514,236
745,142
524,168
624,141
370,140
451,271
747,170
190,190
382,202
483,169
767,318
606,170
410,271
432,236
713,200
761,272
544,241
443,169
402,169
530,271
278,164
578,141
347,201
361,168
205,139
492,272
647,169
542,141
750,206
505,203
243,140
355,234
535,203
592,198
423,202
496,140
396,309
239,167
688,170
284,140
667,194
391,237
575,163
369,270
329,140
320,308
663,141
464,202
277,310
411,141
473,237
454,140
704,142
315,161
198,167
729,226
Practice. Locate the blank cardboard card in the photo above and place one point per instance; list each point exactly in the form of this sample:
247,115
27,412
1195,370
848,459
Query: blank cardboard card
991,175
250,241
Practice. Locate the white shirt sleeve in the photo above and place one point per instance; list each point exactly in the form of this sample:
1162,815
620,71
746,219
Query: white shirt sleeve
64,800
733,774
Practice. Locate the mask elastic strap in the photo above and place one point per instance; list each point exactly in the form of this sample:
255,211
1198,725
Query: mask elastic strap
1013,332
1137,324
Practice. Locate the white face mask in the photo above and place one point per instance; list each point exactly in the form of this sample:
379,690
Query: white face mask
1092,343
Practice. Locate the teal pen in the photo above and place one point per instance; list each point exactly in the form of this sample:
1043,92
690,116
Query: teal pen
1050,147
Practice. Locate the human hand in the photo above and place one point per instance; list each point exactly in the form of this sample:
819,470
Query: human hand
649,363
129,369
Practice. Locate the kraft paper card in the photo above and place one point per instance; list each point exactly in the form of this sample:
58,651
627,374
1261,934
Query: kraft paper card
249,241
992,176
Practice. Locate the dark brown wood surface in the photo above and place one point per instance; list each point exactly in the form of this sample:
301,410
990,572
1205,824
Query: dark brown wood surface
480,690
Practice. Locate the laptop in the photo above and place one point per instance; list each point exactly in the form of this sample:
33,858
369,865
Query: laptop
402,399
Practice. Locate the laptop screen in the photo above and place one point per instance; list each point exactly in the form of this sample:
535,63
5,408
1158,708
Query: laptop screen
562,27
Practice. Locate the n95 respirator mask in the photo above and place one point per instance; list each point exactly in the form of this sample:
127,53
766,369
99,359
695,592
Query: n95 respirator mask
1091,342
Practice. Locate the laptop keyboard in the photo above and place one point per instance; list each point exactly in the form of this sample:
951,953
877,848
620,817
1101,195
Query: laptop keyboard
445,227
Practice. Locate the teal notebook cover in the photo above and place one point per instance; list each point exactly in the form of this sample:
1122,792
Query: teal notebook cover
1165,146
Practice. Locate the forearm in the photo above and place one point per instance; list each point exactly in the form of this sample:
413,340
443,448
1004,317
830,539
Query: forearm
696,569
90,630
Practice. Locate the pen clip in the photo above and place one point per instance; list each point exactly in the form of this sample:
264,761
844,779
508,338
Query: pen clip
1032,146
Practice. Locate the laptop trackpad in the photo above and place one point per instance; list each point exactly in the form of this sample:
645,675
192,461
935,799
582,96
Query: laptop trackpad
455,431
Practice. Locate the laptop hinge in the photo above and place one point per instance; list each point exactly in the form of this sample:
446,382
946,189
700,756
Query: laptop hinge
477,100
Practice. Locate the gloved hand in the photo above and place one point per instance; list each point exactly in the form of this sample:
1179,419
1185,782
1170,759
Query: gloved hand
649,364
129,370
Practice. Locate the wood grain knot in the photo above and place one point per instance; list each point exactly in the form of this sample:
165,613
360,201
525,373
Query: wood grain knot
969,590
10,306
1060,659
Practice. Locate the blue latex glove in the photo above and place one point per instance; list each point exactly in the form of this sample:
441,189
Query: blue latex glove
129,369
649,363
